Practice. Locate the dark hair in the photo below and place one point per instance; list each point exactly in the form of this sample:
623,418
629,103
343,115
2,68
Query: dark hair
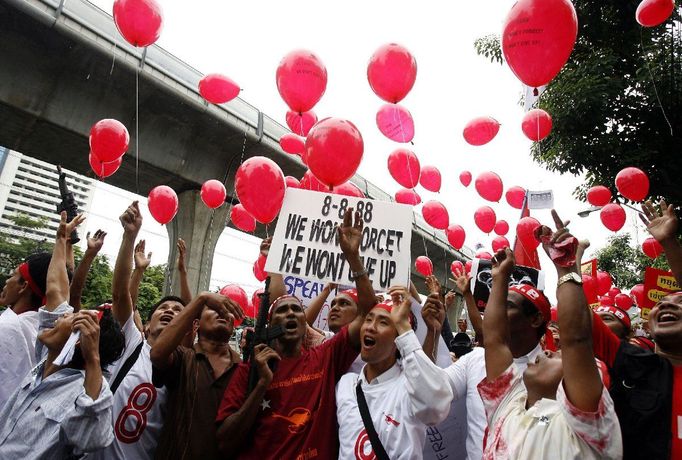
38,265
168,298
111,342
530,310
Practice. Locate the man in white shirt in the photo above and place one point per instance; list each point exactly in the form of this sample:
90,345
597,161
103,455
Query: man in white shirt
402,400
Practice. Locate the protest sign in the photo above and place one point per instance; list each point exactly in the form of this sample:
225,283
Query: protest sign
305,243
482,279
543,199
590,268
657,284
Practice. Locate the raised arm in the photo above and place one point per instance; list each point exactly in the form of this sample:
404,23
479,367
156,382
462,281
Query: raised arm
433,314
57,285
315,306
81,274
122,305
463,284
498,356
142,262
185,291
662,224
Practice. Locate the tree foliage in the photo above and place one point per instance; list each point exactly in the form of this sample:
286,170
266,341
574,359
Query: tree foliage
625,263
609,100
15,248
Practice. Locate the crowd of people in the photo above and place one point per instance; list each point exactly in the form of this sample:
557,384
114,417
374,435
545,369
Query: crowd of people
103,383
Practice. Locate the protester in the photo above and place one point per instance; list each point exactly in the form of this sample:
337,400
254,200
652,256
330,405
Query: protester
63,410
558,407
615,319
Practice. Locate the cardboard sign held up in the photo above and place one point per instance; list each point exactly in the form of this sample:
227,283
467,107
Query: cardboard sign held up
305,243
657,284
482,279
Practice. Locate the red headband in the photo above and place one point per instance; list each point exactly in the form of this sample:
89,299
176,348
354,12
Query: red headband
618,313
537,298
352,293
26,275
101,309
282,297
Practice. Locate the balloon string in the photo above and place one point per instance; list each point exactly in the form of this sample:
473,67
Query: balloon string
653,82
113,61
137,130
234,185
426,251
400,121
300,118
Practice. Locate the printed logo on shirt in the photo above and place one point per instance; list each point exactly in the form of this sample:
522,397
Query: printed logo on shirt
298,418
390,420
363,447
132,420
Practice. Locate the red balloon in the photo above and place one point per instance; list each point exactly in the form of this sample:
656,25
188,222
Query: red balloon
481,130
301,80
255,303
348,189
515,197
624,301
213,193
612,216
424,266
536,125
538,39
404,167
436,215
138,21
162,203
430,178
291,143
242,219
407,196
484,255
236,294
456,268
606,301
599,195
589,287
525,232
292,182
501,227
637,292
604,282
218,89
301,123
500,242
259,184
633,184
104,169
259,268
456,236
108,140
613,292
467,267
485,218
333,150
489,186
310,182
651,13
465,178
391,72
652,248
396,123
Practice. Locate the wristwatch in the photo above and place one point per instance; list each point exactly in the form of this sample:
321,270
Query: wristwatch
572,277
355,275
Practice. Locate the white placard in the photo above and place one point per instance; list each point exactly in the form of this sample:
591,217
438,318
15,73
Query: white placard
305,242
543,199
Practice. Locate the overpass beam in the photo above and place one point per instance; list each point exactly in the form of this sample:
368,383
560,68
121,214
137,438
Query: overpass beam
200,227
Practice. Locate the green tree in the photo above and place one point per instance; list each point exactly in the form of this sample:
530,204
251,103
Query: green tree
16,247
151,289
617,102
625,263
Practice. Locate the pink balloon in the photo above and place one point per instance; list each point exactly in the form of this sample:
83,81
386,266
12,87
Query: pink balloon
259,268
301,123
424,266
465,178
612,216
599,195
637,292
404,167
456,268
652,248
310,182
242,219
259,184
108,140
501,227
213,193
348,189
333,150
162,203
651,13
624,301
481,130
391,72
139,21
515,197
407,196
218,89
633,184
525,232
604,282
395,122
436,215
536,125
456,236
430,178
500,242
489,186
292,182
301,80
236,294
485,255
291,143
103,170
485,219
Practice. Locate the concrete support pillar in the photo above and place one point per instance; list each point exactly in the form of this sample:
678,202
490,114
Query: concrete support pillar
200,227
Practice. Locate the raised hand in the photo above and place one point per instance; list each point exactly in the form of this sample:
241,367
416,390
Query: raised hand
462,281
96,241
661,223
400,314
131,219
433,312
450,298
265,246
503,263
433,285
65,228
182,251
560,246
86,322
141,261
350,234
263,354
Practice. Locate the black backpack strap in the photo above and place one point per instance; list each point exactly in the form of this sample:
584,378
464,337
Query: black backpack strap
377,447
126,368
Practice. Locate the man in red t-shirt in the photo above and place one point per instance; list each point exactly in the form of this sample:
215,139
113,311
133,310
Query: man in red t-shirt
291,413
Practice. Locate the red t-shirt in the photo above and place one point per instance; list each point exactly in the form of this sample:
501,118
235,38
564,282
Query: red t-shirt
676,451
297,419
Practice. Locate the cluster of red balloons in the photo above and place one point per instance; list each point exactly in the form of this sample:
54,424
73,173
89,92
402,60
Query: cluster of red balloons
138,21
162,203
632,183
109,141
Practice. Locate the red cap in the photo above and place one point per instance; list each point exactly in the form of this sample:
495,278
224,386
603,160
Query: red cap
536,297
352,293
617,312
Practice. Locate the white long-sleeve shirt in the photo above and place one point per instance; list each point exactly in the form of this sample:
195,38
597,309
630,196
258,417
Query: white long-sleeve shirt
17,350
402,403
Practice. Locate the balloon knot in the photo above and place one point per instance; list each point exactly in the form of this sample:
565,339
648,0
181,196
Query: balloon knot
411,143
535,92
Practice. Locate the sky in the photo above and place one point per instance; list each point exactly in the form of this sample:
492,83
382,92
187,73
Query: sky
246,40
